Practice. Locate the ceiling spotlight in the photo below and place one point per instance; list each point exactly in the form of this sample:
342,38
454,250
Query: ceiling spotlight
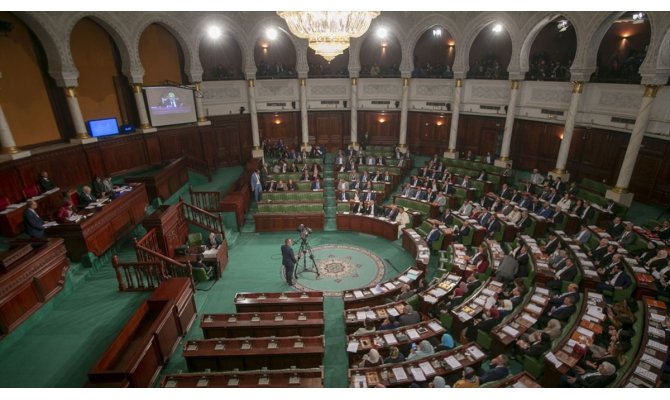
497,28
562,25
271,33
214,32
382,32
437,32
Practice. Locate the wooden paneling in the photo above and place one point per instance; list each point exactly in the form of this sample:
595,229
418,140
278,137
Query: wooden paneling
428,133
535,145
125,154
229,140
330,128
284,125
382,126
479,134
651,176
596,154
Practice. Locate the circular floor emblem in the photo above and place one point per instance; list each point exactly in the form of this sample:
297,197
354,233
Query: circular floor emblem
340,268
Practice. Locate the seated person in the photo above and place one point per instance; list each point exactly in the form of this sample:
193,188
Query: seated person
446,342
573,291
616,279
290,185
497,370
34,225
66,214
489,318
102,186
371,359
316,185
409,316
199,264
628,236
395,356
390,322
368,327
538,347
45,183
86,197
600,378
425,349
213,241
561,313
433,235
468,379
280,186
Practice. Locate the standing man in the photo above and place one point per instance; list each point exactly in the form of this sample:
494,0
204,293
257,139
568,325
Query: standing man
288,260
34,225
256,186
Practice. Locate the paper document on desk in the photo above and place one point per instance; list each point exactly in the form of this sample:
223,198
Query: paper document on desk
392,312
418,374
528,318
429,299
533,308
657,346
537,299
646,374
464,316
452,362
655,332
370,314
439,292
358,294
390,339
352,347
543,291
656,317
488,292
427,368
551,357
653,361
376,290
399,373
413,334
389,285
476,353
435,327
585,332
360,315
510,331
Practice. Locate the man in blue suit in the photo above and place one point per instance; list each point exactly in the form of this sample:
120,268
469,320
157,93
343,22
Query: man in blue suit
33,223
256,185
432,236
288,260
618,279
497,370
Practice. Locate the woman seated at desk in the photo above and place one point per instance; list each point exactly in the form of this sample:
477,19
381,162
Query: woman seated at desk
66,214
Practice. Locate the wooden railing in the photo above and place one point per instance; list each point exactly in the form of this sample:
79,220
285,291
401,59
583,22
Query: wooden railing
208,201
150,241
204,219
198,166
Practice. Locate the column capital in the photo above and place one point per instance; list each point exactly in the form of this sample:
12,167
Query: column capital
197,86
405,81
71,91
10,150
354,81
458,82
650,90
137,87
618,189
577,87
303,81
515,84
251,82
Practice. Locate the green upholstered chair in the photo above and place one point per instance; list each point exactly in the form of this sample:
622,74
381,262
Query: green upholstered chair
195,239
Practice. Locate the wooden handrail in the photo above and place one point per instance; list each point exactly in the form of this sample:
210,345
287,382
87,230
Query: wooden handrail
203,218
208,201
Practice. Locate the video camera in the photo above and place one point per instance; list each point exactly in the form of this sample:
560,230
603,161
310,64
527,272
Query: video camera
304,231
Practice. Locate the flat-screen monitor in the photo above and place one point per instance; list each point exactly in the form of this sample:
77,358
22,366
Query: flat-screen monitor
170,105
103,127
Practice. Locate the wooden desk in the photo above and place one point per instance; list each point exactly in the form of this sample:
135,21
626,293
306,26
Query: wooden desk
105,227
254,353
444,363
430,297
270,222
166,181
31,281
136,356
366,224
480,232
465,313
521,380
645,371
398,337
505,335
564,351
276,302
379,294
11,221
289,323
182,291
355,318
290,378
417,247
216,258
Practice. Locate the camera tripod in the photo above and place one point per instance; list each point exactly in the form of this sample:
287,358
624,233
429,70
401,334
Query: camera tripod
304,252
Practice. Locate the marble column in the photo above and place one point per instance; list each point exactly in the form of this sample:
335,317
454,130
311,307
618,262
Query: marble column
145,126
354,113
8,150
620,192
402,140
303,115
453,130
564,150
199,109
509,126
256,152
81,135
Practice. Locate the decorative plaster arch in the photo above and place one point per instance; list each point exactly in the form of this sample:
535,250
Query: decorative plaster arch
115,29
536,25
229,26
663,62
586,57
394,30
462,60
300,45
192,66
426,23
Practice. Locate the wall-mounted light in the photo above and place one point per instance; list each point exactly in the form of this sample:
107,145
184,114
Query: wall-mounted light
497,28
440,121
561,136
276,120
214,32
451,43
381,119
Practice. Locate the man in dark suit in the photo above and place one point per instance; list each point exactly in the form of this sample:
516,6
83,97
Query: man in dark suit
45,183
617,227
316,185
616,279
370,196
552,244
493,227
524,222
447,218
409,316
288,260
358,208
432,236
603,376
573,291
34,225
463,231
567,273
588,212
497,370
562,312
392,213
599,251
86,197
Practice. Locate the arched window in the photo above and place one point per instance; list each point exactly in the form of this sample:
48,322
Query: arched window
490,53
434,54
552,52
221,58
320,68
275,56
380,55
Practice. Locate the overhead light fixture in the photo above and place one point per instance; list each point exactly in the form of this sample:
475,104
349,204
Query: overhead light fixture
328,32
638,17
214,32
497,28
437,32
382,32
562,25
271,33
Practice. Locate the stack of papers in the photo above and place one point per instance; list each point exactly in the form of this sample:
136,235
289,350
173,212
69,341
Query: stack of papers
453,362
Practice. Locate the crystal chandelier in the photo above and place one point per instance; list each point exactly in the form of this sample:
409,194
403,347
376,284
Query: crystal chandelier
328,32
